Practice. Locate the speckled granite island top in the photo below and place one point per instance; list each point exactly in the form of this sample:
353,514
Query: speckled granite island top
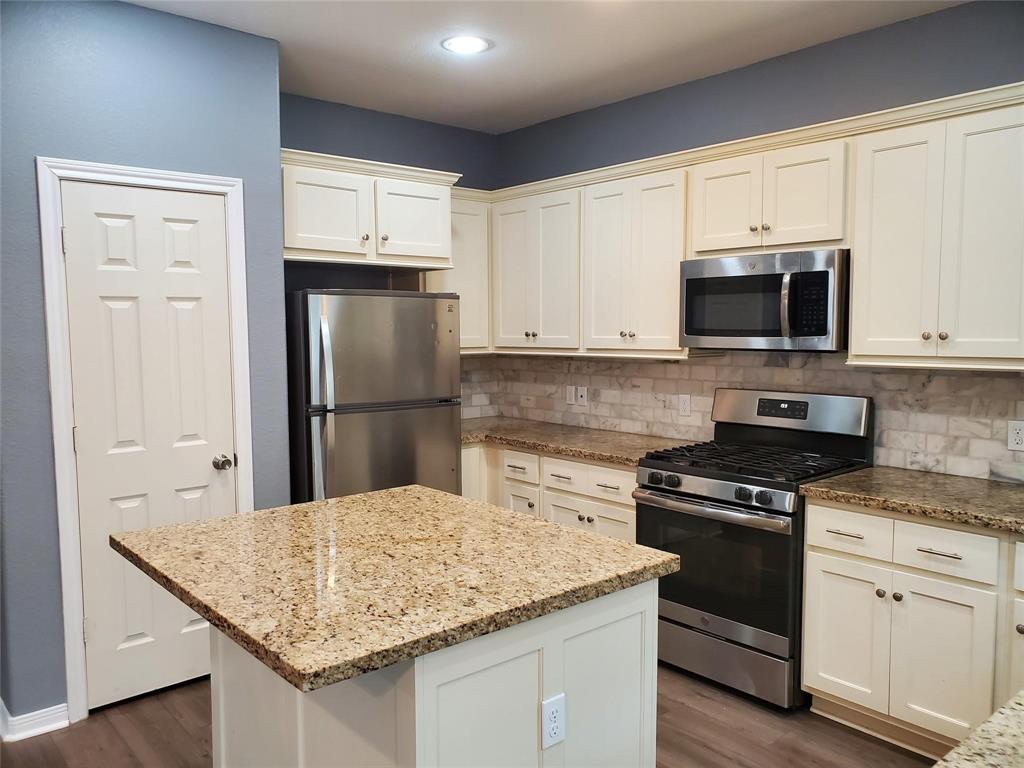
996,743
326,591
624,448
967,500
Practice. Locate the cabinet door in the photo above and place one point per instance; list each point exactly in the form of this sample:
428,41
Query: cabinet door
654,271
473,478
470,273
514,269
894,296
804,194
554,296
521,498
606,257
413,219
846,630
328,211
566,510
726,199
981,294
1017,641
614,522
943,654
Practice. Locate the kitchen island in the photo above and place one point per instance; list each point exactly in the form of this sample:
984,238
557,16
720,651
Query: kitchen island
413,627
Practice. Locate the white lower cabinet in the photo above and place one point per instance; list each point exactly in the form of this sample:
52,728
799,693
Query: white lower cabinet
474,474
1017,642
520,497
943,654
846,630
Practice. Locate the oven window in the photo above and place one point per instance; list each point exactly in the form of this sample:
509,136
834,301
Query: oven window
744,574
747,305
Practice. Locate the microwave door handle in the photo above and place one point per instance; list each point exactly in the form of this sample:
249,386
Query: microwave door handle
787,278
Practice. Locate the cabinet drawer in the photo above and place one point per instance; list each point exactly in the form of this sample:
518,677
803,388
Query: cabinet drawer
520,466
561,475
956,553
852,532
612,484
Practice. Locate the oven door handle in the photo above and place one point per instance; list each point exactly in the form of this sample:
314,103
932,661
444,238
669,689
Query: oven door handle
785,330
760,520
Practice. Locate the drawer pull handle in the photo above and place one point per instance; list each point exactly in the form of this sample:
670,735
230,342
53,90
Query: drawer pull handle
561,477
581,518
518,467
609,487
837,532
930,551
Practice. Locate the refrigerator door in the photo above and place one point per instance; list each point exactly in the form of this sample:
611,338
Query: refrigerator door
368,449
382,347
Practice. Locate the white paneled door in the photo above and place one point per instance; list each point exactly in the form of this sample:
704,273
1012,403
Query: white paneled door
147,287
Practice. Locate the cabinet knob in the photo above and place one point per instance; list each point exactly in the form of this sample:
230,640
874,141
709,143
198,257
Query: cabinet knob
384,238
880,592
897,596
753,228
632,335
1020,629
581,518
590,519
622,334
926,335
533,334
943,335
766,226
530,504
526,334
366,237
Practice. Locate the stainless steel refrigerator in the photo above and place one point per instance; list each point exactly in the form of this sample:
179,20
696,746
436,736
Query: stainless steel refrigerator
374,391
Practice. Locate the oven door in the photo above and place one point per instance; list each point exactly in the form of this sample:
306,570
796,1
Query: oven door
764,301
739,577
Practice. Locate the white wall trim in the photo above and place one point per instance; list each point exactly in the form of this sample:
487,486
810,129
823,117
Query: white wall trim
367,167
15,728
49,173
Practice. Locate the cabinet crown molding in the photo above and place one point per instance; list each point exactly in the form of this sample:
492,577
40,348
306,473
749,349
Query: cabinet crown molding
367,167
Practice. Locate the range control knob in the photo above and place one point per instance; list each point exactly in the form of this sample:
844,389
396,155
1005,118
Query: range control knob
655,478
743,494
672,481
763,497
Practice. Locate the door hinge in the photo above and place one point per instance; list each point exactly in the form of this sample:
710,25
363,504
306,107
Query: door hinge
63,243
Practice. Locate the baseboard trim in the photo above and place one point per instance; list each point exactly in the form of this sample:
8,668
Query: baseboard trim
17,727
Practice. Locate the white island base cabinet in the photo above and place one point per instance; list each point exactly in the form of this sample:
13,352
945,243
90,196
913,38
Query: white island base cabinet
477,703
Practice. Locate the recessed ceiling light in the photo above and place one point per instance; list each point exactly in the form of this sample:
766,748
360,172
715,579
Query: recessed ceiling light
465,44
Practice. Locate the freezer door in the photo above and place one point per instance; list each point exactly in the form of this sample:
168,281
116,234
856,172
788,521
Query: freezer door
366,450
382,347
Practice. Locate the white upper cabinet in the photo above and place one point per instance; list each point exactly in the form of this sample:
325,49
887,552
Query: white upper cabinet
897,230
470,273
328,211
535,244
632,248
341,210
413,219
981,294
783,197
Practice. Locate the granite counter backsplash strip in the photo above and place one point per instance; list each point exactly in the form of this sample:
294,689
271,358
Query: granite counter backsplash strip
936,421
326,591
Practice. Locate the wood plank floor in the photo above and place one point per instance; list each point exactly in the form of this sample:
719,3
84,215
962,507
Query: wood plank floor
699,724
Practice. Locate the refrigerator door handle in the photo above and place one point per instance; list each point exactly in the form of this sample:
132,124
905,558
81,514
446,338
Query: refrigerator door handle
315,386
325,336
319,472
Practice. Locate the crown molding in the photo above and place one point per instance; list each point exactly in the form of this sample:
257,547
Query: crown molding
468,193
367,167
937,109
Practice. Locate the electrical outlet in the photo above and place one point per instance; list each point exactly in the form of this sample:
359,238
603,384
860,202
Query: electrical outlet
1015,435
570,394
552,721
581,396
684,405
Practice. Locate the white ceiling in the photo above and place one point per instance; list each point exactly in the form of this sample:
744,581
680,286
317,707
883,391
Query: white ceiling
549,58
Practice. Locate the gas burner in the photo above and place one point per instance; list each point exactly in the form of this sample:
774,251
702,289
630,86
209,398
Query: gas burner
755,461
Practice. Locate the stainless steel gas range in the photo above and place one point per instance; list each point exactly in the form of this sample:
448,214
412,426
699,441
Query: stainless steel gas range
732,510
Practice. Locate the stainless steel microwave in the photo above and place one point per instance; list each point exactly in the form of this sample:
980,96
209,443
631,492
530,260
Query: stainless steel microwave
794,300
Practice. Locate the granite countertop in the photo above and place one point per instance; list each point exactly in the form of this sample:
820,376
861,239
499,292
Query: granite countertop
325,591
996,743
967,500
625,448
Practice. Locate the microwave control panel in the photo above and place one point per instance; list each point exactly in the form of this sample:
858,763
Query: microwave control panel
782,409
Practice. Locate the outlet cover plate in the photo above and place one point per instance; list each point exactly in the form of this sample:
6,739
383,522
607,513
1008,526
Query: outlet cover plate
570,394
552,720
684,405
581,396
1015,435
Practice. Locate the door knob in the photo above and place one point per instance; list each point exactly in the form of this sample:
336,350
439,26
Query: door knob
366,237
943,336
221,462
926,335
880,592
897,596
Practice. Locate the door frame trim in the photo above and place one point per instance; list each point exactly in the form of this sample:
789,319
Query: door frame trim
50,172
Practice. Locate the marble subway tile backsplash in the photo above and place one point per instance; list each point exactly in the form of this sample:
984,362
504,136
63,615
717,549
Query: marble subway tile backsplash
938,421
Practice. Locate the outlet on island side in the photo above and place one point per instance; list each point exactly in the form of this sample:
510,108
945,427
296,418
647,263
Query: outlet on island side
552,720
1015,435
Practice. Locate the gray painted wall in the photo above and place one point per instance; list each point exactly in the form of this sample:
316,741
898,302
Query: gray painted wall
115,83
339,129
965,48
